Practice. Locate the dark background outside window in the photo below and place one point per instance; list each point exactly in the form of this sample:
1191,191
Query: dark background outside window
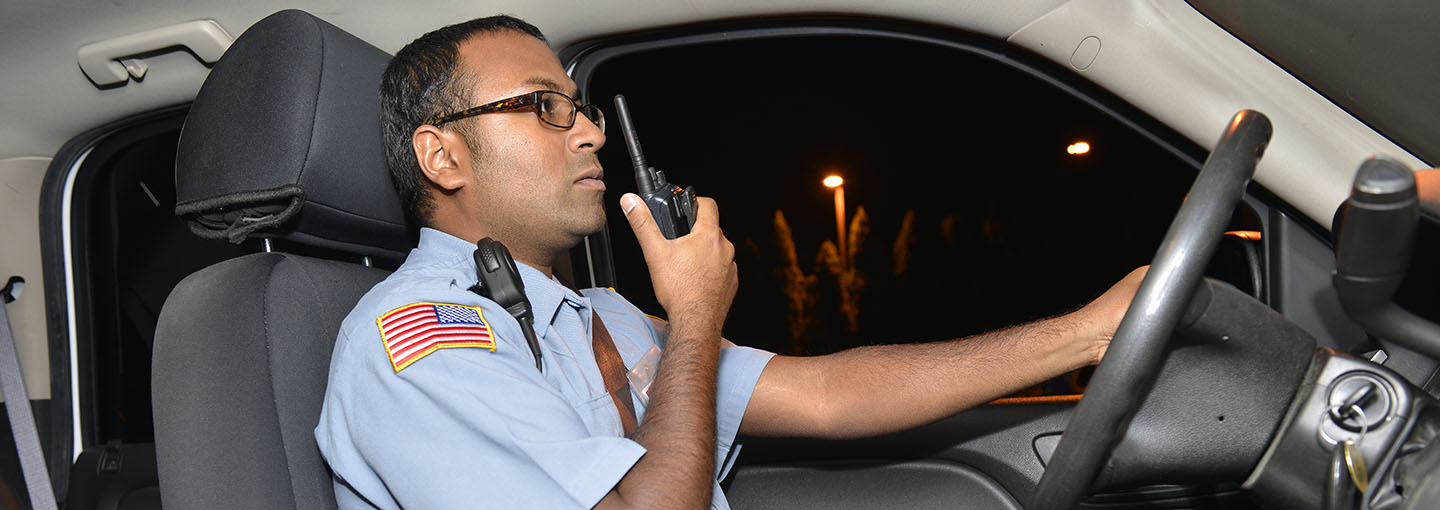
976,218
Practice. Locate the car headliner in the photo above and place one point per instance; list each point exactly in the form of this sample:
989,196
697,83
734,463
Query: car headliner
1164,57
1375,59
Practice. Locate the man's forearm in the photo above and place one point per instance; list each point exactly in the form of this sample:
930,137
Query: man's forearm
875,390
695,279
881,389
678,432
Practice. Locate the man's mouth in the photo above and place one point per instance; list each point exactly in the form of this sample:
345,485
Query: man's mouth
592,178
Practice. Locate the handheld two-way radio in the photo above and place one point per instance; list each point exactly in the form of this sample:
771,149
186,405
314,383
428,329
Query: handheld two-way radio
672,207
500,281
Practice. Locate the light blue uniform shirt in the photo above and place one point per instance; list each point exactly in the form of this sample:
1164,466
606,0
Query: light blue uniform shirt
468,427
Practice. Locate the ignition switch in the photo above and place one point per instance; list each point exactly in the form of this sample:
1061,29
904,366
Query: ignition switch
1359,401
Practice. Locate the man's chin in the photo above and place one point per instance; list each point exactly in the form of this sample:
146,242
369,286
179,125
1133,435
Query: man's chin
594,225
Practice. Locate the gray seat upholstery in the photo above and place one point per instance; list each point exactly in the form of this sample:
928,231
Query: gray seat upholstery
239,371
282,142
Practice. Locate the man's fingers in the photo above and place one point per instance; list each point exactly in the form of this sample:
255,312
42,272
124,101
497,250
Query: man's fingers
640,221
1135,277
706,211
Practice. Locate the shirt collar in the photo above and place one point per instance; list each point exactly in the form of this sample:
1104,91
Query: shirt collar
439,247
546,294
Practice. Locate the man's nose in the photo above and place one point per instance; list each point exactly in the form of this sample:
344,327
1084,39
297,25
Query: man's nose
586,136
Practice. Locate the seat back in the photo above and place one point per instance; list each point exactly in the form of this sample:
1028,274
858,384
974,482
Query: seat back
240,365
283,142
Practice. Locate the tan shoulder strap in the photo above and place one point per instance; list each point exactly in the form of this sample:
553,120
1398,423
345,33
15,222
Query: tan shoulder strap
612,369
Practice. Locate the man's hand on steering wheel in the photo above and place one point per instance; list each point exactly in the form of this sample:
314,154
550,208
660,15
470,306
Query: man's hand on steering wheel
1101,317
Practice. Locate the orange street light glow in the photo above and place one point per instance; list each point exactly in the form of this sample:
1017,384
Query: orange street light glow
1078,148
833,181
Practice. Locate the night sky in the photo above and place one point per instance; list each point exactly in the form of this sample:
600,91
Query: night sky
1008,227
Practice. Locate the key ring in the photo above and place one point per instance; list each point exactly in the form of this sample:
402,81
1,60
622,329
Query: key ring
1354,410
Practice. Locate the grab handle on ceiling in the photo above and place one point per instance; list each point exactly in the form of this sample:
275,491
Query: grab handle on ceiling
115,61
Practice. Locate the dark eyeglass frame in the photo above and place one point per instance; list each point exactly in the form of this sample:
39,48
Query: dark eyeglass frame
531,100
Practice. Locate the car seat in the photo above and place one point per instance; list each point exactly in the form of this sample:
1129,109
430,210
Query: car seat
282,144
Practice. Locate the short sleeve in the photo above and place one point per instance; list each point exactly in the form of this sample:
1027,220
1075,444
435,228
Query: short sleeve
740,369
461,428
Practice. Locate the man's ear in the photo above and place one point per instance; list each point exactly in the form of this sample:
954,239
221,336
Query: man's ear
443,156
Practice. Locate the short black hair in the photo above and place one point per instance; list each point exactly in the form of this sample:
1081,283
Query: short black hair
421,83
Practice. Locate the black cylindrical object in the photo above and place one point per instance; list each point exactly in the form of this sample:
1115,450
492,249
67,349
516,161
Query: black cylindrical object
1375,230
1374,238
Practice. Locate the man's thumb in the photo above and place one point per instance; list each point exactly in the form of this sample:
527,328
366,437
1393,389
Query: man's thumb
639,217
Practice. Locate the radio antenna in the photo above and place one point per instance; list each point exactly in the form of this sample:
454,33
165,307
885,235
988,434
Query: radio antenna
644,177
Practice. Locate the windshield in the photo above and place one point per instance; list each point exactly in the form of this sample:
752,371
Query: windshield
1374,59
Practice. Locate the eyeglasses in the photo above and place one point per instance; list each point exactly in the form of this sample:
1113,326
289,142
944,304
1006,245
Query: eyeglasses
553,108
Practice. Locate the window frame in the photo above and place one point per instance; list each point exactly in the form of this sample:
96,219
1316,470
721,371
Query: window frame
67,281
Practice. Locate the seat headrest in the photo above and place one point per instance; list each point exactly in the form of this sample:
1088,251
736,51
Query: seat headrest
284,141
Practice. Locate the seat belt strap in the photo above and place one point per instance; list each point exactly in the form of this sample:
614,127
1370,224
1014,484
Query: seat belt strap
22,420
612,369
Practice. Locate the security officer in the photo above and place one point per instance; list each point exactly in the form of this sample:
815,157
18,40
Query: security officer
413,422
434,399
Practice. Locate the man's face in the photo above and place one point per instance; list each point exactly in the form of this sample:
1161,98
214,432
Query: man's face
537,186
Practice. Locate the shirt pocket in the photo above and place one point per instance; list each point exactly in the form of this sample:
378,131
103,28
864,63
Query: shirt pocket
600,416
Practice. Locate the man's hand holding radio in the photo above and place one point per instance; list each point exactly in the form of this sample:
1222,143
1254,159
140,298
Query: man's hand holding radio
694,275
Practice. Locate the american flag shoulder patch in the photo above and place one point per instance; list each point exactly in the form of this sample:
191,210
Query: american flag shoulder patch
415,330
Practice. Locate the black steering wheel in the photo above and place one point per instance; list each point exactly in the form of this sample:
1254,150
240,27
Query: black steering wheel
1128,370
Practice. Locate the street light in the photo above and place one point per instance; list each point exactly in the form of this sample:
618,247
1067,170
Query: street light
1077,148
837,182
